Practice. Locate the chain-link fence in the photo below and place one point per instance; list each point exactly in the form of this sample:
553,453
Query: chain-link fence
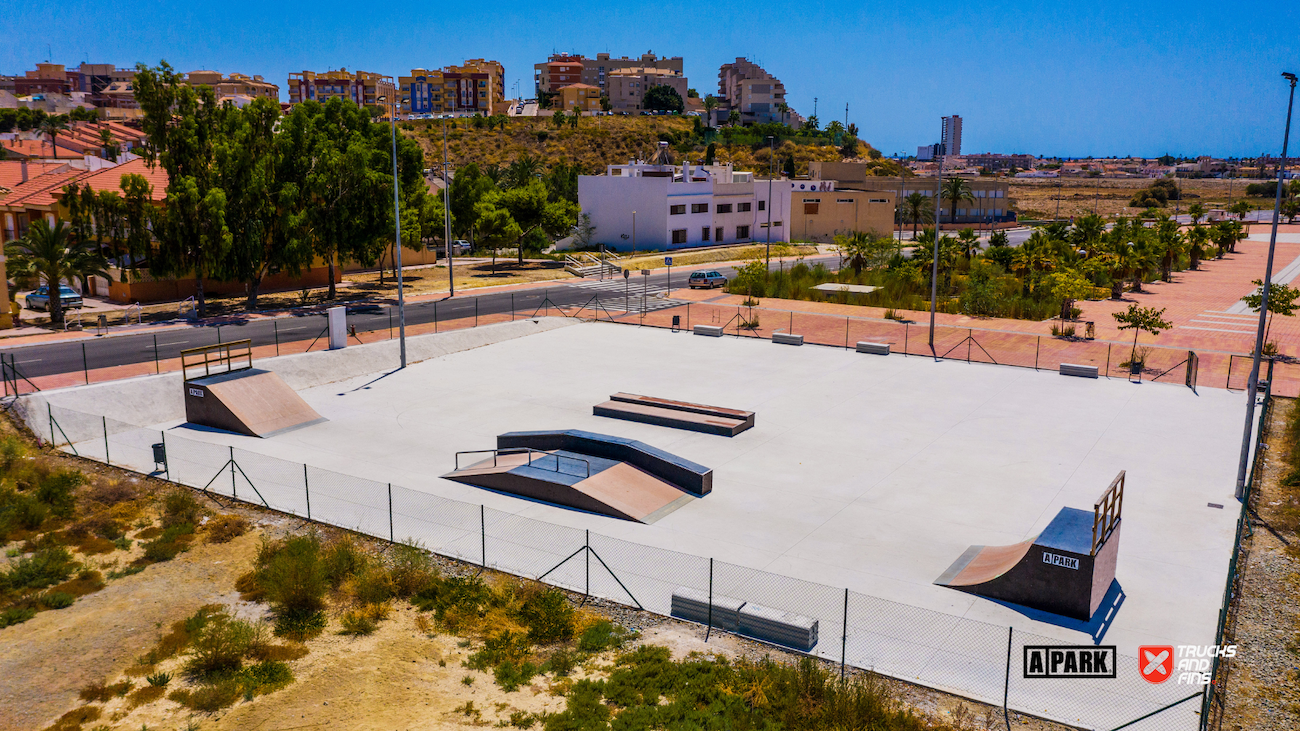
954,654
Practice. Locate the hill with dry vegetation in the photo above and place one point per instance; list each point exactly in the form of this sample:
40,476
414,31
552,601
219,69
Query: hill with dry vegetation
600,141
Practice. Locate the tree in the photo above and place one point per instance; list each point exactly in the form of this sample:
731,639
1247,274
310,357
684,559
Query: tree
1197,238
531,209
1240,209
1139,320
956,190
583,232
496,227
733,118
1169,244
1291,209
968,240
109,143
605,104
710,153
663,98
558,118
710,103
917,209
999,239
1281,301
1069,286
860,250
52,126
1197,212
53,256
784,109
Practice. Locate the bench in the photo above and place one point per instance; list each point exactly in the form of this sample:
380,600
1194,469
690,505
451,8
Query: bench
873,348
762,623
1082,371
787,338
713,331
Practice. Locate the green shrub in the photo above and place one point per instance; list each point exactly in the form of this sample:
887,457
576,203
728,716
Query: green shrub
299,626
221,645
561,663
209,698
502,647
522,719
343,558
293,576
412,570
584,709
12,452
548,616
180,508
602,636
46,567
57,489
15,615
266,676
465,593
101,692
357,623
159,680
56,600
510,675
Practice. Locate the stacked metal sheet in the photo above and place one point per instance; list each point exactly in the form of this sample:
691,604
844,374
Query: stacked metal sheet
693,605
778,627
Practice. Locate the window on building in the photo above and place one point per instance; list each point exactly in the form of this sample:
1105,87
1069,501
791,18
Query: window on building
700,208
724,208
677,210
810,209
704,234
742,232
776,224
762,205
679,236
879,200
843,200
717,234
743,207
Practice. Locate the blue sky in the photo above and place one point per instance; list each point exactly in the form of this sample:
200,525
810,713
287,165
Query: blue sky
1052,78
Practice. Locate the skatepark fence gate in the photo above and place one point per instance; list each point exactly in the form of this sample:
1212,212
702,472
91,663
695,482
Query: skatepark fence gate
967,658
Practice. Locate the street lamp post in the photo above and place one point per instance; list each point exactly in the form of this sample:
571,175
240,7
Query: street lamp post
397,237
446,213
771,172
1253,384
934,265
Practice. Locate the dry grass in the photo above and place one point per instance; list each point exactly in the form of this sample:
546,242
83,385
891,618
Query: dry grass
1037,199
730,253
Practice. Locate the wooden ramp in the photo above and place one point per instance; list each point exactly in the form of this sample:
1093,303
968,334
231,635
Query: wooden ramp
249,401
676,414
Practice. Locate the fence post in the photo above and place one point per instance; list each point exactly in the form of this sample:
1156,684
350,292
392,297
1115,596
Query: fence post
50,410
906,329
846,333
390,323
218,335
709,631
512,306
233,488
167,463
306,489
482,532
688,313
85,366
390,513
1108,362
475,311
156,367
1037,346
108,461
587,545
435,315
276,324
844,638
1228,383
1006,683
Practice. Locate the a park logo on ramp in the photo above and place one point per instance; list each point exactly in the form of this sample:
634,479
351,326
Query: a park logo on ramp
1156,662
1070,661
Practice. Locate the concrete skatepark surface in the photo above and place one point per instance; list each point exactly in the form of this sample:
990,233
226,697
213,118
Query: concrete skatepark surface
865,472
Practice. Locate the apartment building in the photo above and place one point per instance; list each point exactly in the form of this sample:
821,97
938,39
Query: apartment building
626,87
950,135
235,86
820,210
476,86
990,204
363,88
579,98
996,162
667,207
744,87
558,70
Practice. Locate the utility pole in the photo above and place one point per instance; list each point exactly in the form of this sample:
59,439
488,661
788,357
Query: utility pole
934,265
1253,384
446,212
771,172
397,238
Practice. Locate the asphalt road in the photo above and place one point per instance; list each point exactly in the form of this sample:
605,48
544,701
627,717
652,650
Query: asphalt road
48,359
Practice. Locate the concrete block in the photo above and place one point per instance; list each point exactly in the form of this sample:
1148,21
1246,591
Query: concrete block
693,605
787,338
713,331
1082,371
873,348
778,627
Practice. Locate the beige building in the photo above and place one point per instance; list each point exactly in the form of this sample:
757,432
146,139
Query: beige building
234,85
477,86
820,215
627,87
990,204
562,69
579,97
363,88
758,96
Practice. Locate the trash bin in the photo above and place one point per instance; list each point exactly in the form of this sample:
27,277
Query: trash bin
677,322
160,454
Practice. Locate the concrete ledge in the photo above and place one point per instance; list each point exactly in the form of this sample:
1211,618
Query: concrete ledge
787,338
776,626
873,348
1082,371
693,605
713,331
682,473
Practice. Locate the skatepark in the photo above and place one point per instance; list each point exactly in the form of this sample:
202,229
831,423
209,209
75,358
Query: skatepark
864,473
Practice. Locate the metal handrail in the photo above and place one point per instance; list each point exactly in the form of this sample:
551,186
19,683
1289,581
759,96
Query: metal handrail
225,354
180,310
139,314
522,450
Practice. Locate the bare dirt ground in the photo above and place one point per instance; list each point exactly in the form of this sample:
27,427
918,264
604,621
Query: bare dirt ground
1109,197
1263,690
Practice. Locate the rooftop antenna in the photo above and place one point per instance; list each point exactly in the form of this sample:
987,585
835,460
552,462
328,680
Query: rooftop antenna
49,54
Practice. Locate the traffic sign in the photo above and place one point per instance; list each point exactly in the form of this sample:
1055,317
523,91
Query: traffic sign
668,261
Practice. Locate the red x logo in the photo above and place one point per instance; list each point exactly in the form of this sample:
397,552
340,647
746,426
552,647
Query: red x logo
1156,662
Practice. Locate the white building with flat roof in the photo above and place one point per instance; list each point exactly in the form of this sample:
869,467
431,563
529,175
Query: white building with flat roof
646,206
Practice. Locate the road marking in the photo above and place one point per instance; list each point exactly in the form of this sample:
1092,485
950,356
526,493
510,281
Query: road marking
1216,329
178,342
33,360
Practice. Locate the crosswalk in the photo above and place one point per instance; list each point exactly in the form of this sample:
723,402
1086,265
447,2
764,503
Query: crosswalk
621,296
1224,321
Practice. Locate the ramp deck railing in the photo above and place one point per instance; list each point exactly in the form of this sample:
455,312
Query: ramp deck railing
530,452
236,355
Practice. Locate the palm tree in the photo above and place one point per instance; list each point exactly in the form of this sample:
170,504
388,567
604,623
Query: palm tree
1197,212
53,257
1169,243
52,126
999,238
1197,237
917,209
956,190
969,242
733,118
784,109
109,143
710,103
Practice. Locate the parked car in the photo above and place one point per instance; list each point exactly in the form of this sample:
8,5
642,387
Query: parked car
706,280
40,299
460,247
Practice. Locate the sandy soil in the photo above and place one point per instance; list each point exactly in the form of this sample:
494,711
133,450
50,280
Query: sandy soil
1109,197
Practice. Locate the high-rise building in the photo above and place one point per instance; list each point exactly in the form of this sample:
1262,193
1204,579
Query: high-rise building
562,69
363,88
758,96
951,136
477,86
